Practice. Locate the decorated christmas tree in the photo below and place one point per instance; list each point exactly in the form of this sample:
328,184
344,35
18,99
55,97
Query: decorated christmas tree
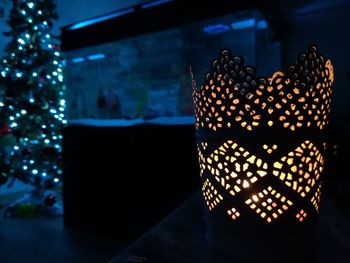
31,98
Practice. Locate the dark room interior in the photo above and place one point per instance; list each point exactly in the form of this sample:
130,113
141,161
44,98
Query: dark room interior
174,131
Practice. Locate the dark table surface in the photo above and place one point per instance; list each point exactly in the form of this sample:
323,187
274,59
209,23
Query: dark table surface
180,237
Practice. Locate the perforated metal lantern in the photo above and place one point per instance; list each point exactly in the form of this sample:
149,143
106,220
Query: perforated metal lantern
261,144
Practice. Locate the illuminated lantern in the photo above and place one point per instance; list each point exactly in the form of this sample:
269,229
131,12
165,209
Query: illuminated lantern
261,145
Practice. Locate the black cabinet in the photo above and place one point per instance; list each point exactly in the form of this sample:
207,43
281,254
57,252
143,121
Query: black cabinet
120,181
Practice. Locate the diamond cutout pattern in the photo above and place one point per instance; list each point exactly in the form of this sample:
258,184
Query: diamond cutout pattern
234,167
269,204
211,195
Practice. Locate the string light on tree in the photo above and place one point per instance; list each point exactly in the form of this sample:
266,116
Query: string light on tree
33,107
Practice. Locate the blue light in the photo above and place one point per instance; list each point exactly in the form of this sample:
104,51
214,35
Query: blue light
30,5
31,100
21,41
53,111
57,53
47,141
101,18
15,147
60,78
3,73
44,174
62,102
96,56
56,180
78,60
23,112
64,122
40,12
35,74
155,3
262,24
31,161
19,74
25,167
216,29
12,118
35,171
1,104
43,126
243,24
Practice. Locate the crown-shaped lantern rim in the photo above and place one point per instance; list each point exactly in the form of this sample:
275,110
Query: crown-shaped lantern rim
233,96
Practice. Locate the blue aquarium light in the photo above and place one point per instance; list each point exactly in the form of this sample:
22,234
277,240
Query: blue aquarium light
216,29
96,56
101,18
78,60
155,3
243,24
262,24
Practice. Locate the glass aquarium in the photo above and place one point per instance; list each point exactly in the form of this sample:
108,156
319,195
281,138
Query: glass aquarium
147,76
